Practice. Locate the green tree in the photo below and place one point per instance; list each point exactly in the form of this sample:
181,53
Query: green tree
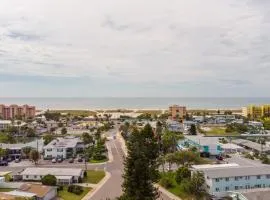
49,180
47,139
185,158
87,138
26,151
181,174
34,156
169,141
64,131
193,130
3,152
141,166
197,186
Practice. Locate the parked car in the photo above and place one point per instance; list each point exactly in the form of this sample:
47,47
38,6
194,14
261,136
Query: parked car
219,158
59,160
80,159
9,159
3,163
17,160
54,160
71,160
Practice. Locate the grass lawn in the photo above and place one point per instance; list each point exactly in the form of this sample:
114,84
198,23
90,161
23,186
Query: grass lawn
6,189
99,161
65,195
94,176
219,132
177,189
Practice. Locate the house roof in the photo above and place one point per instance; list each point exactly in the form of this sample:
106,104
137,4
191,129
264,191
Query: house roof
39,190
236,171
4,196
21,194
52,171
63,142
203,140
250,144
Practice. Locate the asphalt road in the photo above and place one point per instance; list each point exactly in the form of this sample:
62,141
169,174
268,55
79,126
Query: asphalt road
112,188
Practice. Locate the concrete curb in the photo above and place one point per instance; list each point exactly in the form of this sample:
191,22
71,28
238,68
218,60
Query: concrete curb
98,186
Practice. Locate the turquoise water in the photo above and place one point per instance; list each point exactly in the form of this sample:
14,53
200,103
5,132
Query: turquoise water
134,103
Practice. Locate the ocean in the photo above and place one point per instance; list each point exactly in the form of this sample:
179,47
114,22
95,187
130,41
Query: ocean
135,103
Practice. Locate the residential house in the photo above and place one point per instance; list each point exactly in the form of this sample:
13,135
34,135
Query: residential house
64,176
208,146
64,148
222,180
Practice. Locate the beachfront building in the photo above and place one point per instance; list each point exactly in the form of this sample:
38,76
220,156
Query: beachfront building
174,126
64,148
208,146
254,112
64,176
15,111
222,179
4,124
177,112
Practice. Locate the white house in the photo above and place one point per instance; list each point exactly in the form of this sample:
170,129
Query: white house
64,176
4,124
226,178
63,148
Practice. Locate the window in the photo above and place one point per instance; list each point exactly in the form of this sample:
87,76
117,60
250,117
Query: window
236,187
49,150
236,178
217,179
217,189
227,188
35,176
247,186
247,177
40,176
268,176
227,179
59,150
259,177
27,176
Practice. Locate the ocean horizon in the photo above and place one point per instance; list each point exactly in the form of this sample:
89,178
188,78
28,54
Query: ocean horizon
92,103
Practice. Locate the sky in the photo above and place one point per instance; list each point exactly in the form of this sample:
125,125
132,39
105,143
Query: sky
134,48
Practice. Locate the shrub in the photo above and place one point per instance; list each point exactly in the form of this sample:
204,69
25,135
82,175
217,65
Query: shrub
49,180
166,182
181,174
60,188
76,189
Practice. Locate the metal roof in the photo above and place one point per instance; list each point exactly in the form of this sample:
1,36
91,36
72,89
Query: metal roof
52,171
236,171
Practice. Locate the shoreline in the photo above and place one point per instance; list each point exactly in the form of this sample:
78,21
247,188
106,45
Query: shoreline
136,109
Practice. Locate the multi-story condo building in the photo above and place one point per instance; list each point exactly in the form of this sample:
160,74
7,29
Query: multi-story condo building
220,180
253,111
63,148
177,112
15,111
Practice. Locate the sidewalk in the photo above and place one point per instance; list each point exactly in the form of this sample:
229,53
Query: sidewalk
95,187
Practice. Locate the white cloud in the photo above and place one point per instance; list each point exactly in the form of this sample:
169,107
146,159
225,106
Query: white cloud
137,41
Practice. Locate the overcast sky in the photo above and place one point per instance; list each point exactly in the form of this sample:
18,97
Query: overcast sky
89,48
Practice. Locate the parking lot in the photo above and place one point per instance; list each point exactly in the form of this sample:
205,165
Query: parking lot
240,160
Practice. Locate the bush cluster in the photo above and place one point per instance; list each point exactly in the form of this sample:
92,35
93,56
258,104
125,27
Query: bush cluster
76,189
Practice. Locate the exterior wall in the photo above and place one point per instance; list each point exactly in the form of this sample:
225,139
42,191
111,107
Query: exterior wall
56,153
32,178
177,111
13,111
221,186
4,125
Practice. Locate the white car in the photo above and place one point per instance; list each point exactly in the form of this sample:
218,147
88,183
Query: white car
54,160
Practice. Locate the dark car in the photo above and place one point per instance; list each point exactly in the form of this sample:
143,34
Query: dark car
3,163
71,160
9,159
219,158
80,159
59,160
